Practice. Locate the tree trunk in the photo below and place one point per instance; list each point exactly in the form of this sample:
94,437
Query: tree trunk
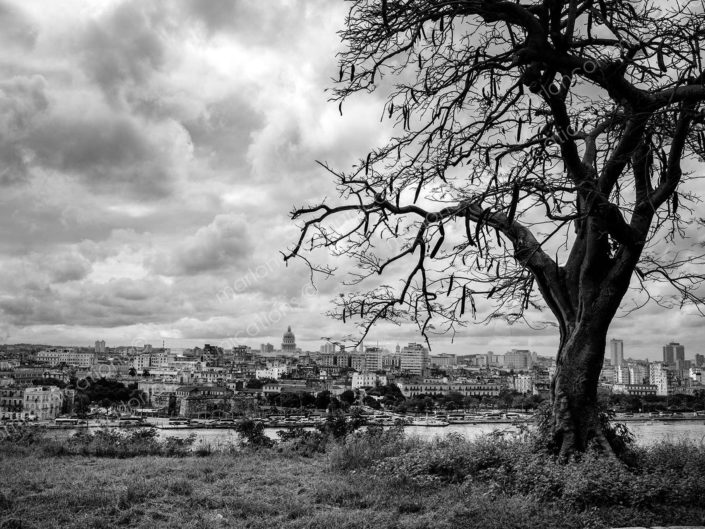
574,388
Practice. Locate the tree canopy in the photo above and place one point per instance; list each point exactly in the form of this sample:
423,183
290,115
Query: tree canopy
545,152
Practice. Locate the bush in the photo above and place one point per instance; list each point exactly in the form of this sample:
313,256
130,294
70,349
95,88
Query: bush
103,443
362,448
252,434
302,442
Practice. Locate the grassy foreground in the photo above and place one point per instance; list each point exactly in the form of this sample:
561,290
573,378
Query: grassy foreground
374,480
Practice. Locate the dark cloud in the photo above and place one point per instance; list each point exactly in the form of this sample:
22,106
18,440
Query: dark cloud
68,267
224,243
222,133
17,29
22,101
123,47
110,154
274,22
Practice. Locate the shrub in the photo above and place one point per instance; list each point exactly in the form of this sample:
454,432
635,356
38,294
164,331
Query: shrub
360,449
252,434
302,442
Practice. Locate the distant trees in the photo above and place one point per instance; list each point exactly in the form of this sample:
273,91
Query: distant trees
107,392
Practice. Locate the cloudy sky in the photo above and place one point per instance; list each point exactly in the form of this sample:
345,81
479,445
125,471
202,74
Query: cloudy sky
151,152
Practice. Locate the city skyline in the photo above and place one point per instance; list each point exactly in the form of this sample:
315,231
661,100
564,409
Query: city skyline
315,345
157,207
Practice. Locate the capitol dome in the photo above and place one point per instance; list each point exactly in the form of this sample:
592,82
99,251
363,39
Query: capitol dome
289,341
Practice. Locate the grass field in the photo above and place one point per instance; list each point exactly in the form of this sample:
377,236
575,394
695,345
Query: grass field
377,479
265,490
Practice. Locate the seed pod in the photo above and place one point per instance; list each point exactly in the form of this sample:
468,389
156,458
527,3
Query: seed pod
513,205
462,302
352,73
519,130
659,58
450,285
367,164
438,244
675,202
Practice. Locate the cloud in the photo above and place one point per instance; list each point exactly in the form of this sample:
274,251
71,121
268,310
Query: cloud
22,100
221,244
123,48
17,29
68,267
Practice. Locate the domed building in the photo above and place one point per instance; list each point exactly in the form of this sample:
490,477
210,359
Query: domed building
289,341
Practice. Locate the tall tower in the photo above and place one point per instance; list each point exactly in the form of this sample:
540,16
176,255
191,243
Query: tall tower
673,353
289,341
616,352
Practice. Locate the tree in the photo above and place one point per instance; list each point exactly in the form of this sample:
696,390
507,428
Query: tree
538,161
132,372
347,396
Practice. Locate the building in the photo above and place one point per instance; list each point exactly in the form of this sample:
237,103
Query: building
203,400
661,377
42,402
637,390
622,374
414,359
327,348
288,341
616,352
518,359
275,372
266,348
66,355
365,380
160,359
471,389
100,346
523,383
373,359
443,360
638,373
673,352
11,402
342,360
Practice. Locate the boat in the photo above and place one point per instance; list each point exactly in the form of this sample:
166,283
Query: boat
429,421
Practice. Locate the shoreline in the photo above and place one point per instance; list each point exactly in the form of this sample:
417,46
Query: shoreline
313,424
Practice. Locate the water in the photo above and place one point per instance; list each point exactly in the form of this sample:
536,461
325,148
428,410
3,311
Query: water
646,432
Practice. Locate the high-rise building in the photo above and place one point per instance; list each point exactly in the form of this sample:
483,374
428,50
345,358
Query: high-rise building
289,341
616,352
699,360
673,352
328,348
622,375
414,359
100,346
638,373
659,376
373,359
518,359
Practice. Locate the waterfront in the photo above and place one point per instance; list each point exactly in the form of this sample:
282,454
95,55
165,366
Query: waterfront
647,432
